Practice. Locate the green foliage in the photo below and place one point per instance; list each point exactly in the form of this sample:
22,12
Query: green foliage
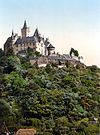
51,99
10,53
31,52
92,129
5,111
14,83
74,52
12,63
1,53
48,68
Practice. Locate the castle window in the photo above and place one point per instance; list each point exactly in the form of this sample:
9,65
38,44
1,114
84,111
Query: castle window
42,45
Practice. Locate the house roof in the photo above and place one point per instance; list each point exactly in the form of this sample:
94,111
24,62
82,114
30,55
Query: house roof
26,132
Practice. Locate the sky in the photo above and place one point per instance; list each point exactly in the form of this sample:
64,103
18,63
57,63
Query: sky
67,23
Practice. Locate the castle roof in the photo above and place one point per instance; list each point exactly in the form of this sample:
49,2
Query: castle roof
36,33
35,38
25,40
47,42
50,46
8,42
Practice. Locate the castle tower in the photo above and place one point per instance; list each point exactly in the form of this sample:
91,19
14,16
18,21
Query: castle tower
24,30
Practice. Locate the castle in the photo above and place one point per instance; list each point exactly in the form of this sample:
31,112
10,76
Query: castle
20,44
36,43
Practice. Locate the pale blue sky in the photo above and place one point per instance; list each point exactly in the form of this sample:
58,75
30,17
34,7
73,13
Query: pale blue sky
67,23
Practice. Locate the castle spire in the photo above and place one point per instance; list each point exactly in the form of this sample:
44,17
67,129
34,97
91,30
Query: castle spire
36,33
12,34
25,30
25,25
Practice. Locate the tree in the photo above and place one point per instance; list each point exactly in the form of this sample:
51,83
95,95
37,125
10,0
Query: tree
1,53
31,52
6,113
10,53
12,64
52,99
74,52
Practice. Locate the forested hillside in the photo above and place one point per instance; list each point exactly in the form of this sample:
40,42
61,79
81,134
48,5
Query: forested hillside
55,101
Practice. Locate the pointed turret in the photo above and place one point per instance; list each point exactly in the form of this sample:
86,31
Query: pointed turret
12,34
25,25
36,33
47,41
49,47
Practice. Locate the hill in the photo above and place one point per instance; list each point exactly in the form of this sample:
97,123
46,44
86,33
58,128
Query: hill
54,100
